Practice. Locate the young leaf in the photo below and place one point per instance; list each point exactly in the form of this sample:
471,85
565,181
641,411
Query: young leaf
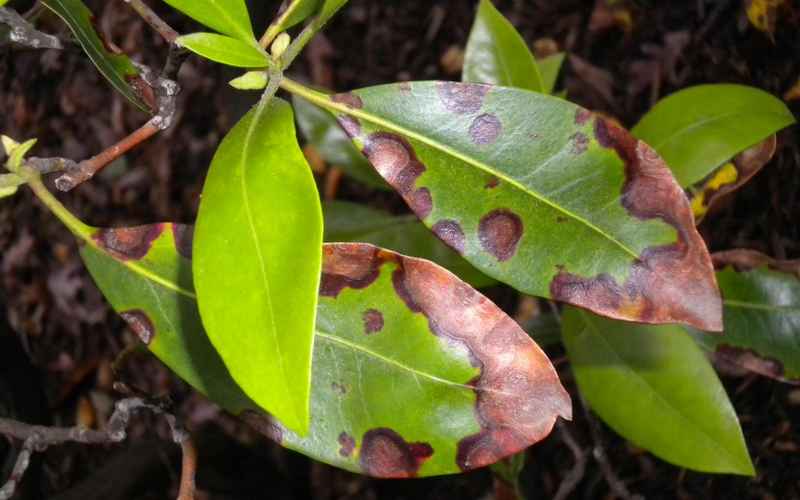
550,67
656,388
323,132
497,54
384,322
699,128
296,12
538,193
115,67
229,17
731,176
762,314
257,260
224,49
404,234
329,9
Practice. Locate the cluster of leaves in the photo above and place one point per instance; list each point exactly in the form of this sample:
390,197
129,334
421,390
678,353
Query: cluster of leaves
393,366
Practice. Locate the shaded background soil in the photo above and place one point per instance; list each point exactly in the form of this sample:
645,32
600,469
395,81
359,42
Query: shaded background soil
61,338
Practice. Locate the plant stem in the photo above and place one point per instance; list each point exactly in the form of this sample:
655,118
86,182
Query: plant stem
274,29
75,225
155,22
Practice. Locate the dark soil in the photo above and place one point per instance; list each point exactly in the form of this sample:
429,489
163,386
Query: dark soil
61,337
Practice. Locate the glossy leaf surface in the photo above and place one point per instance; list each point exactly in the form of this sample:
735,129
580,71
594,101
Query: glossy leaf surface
322,131
224,49
540,194
257,260
497,54
761,298
550,67
404,234
229,17
115,67
698,129
396,391
654,386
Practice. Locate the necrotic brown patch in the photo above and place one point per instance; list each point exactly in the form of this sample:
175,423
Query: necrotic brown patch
348,266
579,143
582,116
485,129
667,284
462,98
140,324
351,126
128,243
394,158
492,183
349,99
373,321
499,232
183,235
264,424
451,233
750,360
384,453
346,444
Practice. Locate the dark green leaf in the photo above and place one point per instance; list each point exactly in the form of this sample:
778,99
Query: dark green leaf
224,49
550,67
497,54
699,128
323,132
655,387
115,67
229,17
329,9
257,260
402,233
538,193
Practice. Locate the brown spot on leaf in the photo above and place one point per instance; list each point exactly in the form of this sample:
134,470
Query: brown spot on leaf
579,143
384,453
140,323
582,116
451,233
751,361
128,243
348,266
485,129
264,423
462,98
668,284
347,444
338,388
351,125
183,235
394,158
492,183
499,232
373,321
349,99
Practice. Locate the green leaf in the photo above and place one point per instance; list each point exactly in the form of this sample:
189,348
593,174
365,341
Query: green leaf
16,152
252,80
115,67
655,387
699,128
404,234
323,132
297,12
329,9
762,314
550,67
384,321
257,260
538,193
224,49
229,17
497,54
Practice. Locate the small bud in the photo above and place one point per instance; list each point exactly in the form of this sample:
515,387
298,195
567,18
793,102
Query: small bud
9,144
252,80
280,44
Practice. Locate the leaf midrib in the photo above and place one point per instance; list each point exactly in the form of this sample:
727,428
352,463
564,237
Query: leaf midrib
323,101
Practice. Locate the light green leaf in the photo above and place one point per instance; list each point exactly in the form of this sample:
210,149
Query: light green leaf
229,17
297,12
550,67
252,80
16,152
224,49
497,54
116,68
404,234
699,128
655,387
521,184
257,258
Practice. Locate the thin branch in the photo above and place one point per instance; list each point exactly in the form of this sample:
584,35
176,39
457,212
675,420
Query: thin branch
23,33
39,438
155,22
575,475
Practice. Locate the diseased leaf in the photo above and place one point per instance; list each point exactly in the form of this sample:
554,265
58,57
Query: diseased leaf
538,193
762,314
229,17
655,387
731,176
397,391
497,54
322,131
550,67
224,49
699,128
114,66
257,260
404,234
